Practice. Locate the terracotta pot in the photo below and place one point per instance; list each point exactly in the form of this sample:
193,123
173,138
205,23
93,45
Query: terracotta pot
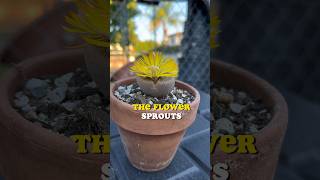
96,61
159,89
262,165
29,151
42,36
150,145
123,72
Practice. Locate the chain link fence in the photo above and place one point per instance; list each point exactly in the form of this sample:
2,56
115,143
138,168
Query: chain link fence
181,31
278,40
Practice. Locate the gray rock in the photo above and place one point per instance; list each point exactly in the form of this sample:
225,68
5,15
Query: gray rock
95,99
91,85
59,122
63,81
105,169
174,97
101,116
180,91
142,99
28,108
226,125
72,89
222,89
263,111
247,114
251,118
43,118
224,97
121,89
242,96
240,126
269,116
127,92
236,108
21,101
57,95
19,94
31,115
37,87
133,94
116,93
253,129
130,87
180,101
70,106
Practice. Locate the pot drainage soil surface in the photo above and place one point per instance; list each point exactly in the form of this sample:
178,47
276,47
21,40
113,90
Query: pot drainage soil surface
236,112
68,104
133,94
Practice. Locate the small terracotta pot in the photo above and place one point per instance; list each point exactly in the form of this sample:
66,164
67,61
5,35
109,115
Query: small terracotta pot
29,151
262,165
150,145
159,89
123,72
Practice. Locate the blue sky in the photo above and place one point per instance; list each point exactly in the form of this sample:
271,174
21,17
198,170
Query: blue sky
143,21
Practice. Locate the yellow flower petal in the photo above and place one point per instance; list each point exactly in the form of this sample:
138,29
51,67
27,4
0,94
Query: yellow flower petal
154,65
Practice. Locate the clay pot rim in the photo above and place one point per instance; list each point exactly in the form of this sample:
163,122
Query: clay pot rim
279,106
42,138
152,127
128,106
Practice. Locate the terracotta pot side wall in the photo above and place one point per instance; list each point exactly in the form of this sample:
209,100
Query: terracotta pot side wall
250,166
150,145
29,161
269,140
141,149
31,152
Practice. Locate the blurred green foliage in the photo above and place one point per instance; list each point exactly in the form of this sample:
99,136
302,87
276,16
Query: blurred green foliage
123,27
164,16
144,46
119,23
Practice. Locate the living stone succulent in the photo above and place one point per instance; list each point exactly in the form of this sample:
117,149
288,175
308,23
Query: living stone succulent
91,23
155,74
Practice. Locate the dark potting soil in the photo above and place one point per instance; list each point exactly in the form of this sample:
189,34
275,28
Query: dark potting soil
236,112
132,94
68,104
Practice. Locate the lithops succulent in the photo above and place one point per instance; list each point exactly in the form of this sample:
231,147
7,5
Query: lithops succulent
91,23
155,73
